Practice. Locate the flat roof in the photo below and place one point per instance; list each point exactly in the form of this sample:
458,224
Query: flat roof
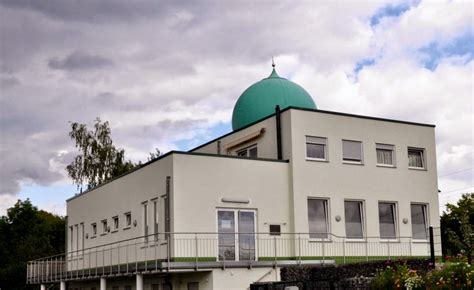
180,153
316,111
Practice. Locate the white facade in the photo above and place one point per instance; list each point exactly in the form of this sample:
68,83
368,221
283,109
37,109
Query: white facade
327,206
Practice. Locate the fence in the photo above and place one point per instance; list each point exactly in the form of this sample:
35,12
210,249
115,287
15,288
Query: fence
168,251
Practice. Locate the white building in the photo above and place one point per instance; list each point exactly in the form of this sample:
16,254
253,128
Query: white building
290,186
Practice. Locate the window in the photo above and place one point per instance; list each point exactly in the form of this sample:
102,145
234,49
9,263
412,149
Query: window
71,238
155,219
94,229
105,229
416,158
251,152
316,148
145,221
128,219
116,222
318,218
385,155
353,211
275,230
419,221
352,151
387,220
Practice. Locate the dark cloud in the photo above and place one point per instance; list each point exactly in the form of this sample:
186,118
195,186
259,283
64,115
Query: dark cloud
77,61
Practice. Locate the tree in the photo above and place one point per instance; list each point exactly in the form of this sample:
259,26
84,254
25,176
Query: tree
27,233
99,160
457,227
154,155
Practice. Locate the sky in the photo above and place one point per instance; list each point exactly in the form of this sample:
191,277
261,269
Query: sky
166,74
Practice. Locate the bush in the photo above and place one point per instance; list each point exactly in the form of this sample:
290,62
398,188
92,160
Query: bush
398,277
451,276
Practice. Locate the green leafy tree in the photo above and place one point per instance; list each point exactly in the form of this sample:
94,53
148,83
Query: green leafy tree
27,233
99,160
154,155
457,227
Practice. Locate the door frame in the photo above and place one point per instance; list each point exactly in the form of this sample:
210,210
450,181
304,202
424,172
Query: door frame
236,212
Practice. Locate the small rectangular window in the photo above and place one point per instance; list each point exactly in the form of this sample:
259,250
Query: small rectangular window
94,229
354,215
128,219
105,229
318,218
316,148
416,158
419,221
116,222
275,230
352,151
251,152
385,154
387,220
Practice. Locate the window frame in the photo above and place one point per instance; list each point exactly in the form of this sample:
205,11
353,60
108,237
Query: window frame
423,157
93,230
326,157
361,162
116,225
362,220
394,160
426,218
127,225
328,220
247,151
395,217
105,227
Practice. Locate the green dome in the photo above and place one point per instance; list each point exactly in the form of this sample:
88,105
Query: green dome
261,98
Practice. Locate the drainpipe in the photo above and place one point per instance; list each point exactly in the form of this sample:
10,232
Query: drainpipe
278,132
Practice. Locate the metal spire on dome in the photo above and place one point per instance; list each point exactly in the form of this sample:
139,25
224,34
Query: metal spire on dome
274,73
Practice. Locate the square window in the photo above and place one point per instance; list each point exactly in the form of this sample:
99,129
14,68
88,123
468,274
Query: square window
116,222
128,219
105,229
352,151
387,220
275,230
354,215
318,218
94,229
416,158
385,154
419,221
316,148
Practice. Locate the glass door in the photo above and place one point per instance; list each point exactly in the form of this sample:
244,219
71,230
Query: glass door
236,230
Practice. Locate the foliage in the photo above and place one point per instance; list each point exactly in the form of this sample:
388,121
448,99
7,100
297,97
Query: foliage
398,277
27,233
154,155
457,227
99,160
451,276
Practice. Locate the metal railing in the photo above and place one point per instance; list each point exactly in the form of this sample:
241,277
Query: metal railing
165,252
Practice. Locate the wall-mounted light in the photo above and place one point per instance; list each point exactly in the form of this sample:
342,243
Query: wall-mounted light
405,220
87,236
135,223
338,218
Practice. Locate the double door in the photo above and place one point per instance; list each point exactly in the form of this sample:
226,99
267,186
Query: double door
236,234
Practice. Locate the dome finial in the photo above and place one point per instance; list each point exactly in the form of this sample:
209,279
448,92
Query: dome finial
273,62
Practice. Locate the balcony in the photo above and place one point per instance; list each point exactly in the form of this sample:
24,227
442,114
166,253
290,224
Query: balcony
162,253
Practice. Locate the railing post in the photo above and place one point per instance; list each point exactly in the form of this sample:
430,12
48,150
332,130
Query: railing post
299,248
410,245
168,249
275,251
344,249
196,249
388,249
367,249
432,249
323,250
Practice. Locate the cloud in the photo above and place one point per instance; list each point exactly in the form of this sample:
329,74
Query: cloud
79,61
164,72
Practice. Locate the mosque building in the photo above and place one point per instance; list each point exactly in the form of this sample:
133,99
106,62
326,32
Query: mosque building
290,185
